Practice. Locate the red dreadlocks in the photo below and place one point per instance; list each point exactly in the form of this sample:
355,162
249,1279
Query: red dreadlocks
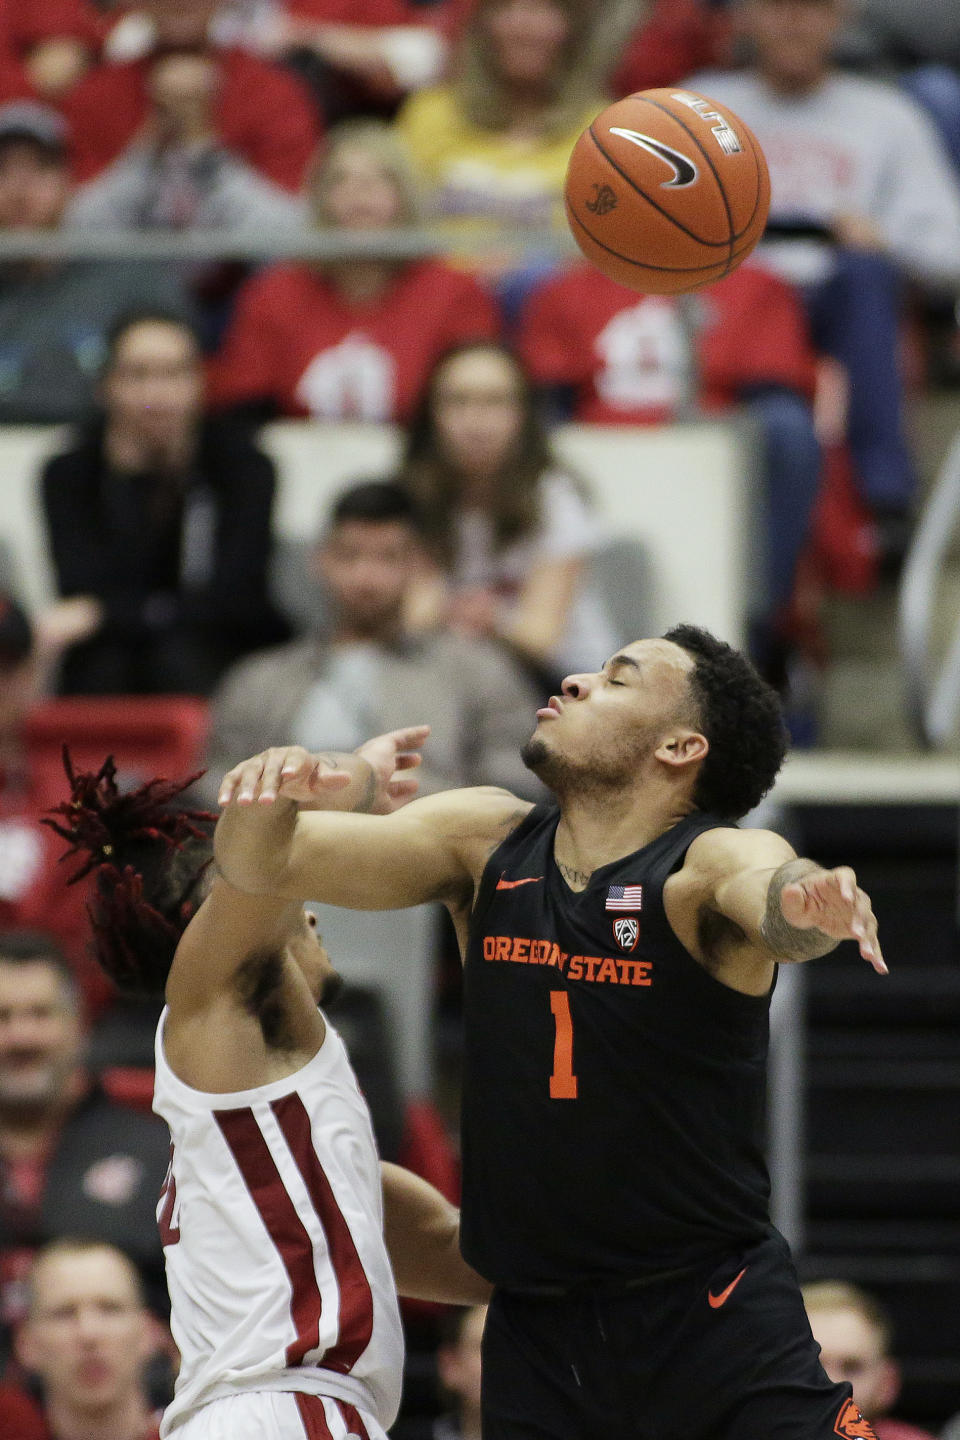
149,859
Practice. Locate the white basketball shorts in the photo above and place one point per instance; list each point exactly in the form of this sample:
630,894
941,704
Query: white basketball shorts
279,1415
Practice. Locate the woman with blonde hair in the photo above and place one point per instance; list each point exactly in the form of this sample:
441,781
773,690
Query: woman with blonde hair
349,339
493,144
511,533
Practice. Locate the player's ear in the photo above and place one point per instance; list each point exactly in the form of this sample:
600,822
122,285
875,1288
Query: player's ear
681,748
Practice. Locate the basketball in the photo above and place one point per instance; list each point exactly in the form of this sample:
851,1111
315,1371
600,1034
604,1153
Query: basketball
667,191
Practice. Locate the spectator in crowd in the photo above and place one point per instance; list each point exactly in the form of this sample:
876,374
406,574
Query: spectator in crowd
71,1161
493,144
458,1368
33,885
55,314
863,195
263,113
351,339
160,519
360,56
46,46
359,671
176,174
510,532
85,1339
670,39
616,358
923,43
855,1335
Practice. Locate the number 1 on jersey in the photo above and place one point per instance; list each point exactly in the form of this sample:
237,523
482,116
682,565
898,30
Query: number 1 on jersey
563,1082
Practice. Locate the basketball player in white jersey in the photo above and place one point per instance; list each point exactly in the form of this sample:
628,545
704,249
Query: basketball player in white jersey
283,1300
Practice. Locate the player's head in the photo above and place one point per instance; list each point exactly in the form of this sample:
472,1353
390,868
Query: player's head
367,558
685,710
362,179
151,860
40,1026
854,1333
86,1335
793,40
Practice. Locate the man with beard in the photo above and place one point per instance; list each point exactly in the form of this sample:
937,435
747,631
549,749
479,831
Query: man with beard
71,1160
620,951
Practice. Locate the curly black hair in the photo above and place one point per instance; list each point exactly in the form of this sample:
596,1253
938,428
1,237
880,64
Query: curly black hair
741,716
150,859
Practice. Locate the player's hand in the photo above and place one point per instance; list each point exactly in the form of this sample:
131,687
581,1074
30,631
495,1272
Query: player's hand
389,756
831,901
298,774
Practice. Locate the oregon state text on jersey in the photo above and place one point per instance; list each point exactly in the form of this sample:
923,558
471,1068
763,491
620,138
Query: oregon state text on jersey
613,1114
272,1223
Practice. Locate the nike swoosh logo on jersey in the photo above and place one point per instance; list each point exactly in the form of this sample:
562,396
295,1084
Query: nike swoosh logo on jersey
715,1301
512,884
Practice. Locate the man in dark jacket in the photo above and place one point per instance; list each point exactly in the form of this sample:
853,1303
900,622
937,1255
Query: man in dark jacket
160,519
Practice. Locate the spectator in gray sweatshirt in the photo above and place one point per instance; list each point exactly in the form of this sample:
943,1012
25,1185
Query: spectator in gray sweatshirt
864,197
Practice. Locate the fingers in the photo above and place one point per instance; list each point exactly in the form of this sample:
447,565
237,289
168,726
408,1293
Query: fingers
261,777
410,738
407,760
857,911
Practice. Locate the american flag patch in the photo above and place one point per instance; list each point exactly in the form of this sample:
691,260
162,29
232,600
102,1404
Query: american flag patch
624,897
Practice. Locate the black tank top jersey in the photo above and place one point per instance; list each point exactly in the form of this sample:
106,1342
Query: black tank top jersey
614,1091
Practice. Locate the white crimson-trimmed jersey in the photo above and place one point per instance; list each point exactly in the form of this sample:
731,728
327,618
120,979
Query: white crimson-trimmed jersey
271,1219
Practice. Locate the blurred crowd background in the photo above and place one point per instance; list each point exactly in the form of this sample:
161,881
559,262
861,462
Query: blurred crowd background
242,240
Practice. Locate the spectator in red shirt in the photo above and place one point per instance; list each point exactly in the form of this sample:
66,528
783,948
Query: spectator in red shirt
46,46
855,1335
349,339
360,56
673,39
86,1339
622,358
264,113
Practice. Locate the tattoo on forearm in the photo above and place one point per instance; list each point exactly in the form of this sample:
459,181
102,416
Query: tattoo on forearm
576,879
784,939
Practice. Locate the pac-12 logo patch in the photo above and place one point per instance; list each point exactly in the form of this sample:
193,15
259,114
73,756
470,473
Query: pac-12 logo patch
626,932
851,1424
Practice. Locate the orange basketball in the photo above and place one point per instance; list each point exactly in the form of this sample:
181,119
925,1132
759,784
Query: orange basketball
667,191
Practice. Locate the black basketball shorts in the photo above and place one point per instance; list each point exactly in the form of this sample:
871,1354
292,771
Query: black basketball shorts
722,1353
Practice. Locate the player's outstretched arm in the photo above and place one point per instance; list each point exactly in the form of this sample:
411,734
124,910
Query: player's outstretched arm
422,1231
792,907
269,840
233,924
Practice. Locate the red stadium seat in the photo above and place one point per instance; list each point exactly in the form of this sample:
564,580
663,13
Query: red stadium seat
147,735
129,1085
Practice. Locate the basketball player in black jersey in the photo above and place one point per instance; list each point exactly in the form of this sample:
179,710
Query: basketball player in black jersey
620,951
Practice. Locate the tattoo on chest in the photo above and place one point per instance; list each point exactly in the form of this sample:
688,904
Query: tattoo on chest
576,879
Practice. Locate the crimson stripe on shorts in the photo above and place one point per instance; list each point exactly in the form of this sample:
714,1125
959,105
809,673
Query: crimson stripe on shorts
356,1297
351,1415
284,1226
314,1417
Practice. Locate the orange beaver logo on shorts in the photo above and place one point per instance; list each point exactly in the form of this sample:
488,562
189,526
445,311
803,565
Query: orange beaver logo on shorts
851,1424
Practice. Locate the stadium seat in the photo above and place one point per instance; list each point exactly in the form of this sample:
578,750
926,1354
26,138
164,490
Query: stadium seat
147,735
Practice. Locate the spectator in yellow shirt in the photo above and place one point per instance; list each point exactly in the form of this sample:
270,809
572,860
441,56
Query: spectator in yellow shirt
492,146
